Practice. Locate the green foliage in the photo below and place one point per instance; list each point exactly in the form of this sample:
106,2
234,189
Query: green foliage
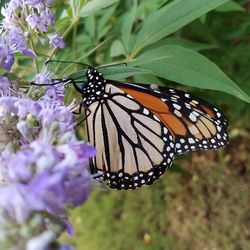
188,67
189,37
230,6
171,18
114,72
142,44
144,35
95,5
177,41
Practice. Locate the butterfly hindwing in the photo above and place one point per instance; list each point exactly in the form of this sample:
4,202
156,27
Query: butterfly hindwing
202,130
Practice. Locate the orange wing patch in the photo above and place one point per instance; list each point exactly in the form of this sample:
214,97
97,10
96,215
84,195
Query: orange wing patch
150,102
209,111
160,109
173,123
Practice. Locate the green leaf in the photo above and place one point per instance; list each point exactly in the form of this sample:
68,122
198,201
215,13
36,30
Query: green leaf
112,72
230,6
63,24
122,72
94,6
183,43
148,79
117,49
126,29
189,68
90,25
171,18
76,6
104,19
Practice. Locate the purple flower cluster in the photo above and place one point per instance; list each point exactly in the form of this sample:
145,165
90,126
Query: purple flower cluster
43,167
23,20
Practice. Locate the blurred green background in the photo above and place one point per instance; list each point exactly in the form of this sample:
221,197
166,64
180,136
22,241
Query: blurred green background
203,202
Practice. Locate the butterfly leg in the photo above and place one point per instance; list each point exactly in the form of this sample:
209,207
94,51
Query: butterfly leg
79,112
80,122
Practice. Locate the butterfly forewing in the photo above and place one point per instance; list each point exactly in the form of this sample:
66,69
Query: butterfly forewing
133,146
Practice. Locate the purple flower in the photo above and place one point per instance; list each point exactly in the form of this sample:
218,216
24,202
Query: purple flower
4,83
56,40
44,172
7,105
43,78
56,90
47,17
43,167
20,167
19,207
14,4
11,8
66,247
35,21
38,16
27,106
47,119
49,2
33,2
11,13
69,180
6,57
55,114
47,173
17,41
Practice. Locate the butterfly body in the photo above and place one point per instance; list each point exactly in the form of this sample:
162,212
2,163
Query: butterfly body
138,130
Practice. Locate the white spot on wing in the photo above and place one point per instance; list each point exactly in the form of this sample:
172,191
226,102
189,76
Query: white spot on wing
176,112
177,106
192,117
145,111
191,140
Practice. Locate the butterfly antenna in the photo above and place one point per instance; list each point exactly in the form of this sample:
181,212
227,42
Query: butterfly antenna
50,61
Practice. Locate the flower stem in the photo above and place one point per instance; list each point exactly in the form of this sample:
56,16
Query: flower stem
74,41
34,59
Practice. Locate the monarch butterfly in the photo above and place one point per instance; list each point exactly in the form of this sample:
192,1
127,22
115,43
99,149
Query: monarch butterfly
138,130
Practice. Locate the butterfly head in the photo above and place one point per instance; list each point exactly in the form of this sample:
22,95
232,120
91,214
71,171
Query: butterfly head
94,76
